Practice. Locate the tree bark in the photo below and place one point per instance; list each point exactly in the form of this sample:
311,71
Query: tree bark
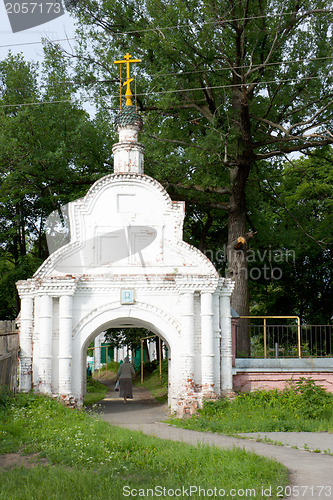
237,258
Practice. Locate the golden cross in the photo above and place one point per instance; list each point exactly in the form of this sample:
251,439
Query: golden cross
127,60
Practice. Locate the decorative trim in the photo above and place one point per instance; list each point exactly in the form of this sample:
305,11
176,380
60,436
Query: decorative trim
141,306
53,286
188,283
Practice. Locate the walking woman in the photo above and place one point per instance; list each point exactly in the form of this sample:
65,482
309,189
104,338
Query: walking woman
125,374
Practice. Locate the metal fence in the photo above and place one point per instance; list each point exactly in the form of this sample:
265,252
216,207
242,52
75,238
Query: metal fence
291,340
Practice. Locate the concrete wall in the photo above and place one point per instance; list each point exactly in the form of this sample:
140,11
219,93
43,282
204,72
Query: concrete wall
252,374
9,348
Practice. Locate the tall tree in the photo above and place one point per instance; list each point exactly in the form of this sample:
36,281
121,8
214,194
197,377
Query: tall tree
50,152
298,205
223,84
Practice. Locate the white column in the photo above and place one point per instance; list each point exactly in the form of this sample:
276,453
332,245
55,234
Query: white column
45,350
25,336
217,342
207,343
97,351
187,314
226,342
65,345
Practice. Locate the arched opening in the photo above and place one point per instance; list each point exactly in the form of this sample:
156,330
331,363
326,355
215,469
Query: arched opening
127,317
147,351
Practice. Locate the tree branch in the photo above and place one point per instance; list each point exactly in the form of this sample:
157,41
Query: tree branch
173,141
321,244
195,201
201,189
278,152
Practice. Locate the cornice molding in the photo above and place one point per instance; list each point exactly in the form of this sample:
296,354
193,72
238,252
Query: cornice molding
54,286
225,286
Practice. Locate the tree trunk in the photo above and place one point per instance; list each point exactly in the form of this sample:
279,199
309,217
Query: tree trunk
237,256
237,234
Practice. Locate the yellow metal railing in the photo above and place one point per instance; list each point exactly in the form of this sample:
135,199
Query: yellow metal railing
93,349
99,350
265,318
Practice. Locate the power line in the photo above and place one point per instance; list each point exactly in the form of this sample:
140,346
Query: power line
182,26
34,43
287,80
180,73
150,93
255,66
32,103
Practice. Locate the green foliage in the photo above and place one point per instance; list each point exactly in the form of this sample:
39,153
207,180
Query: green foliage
89,457
49,155
95,391
302,406
226,95
126,337
94,385
292,214
156,384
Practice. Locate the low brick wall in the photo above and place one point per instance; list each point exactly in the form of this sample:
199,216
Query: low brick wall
9,350
252,374
269,380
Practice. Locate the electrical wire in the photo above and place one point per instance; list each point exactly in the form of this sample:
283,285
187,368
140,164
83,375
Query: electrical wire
182,26
33,43
180,73
150,93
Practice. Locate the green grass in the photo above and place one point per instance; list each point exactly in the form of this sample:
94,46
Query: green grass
95,392
303,407
158,386
90,459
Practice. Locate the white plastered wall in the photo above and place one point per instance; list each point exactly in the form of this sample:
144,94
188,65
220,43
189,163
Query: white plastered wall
126,233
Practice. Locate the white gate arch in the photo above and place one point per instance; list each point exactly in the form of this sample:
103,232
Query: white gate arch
113,316
122,256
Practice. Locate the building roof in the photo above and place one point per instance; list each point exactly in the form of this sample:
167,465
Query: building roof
128,116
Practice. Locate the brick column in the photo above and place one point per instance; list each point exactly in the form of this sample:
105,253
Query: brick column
207,343
65,345
45,350
25,336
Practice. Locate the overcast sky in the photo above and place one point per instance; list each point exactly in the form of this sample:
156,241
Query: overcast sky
25,41
29,41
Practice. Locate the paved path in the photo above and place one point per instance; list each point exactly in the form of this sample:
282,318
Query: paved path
309,471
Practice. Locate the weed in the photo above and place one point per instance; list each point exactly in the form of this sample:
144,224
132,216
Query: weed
301,406
95,391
